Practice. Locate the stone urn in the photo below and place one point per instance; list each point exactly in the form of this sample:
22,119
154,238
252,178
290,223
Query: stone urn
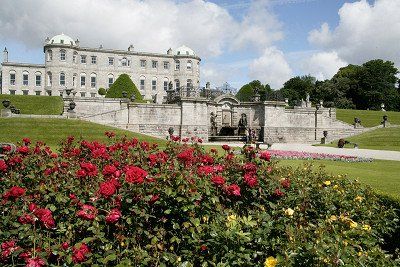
72,105
6,103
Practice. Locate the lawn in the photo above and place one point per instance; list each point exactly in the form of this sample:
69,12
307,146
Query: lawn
382,139
52,131
382,175
369,118
38,105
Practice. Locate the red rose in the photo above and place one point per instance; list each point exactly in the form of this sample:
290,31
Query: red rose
205,170
34,262
226,147
65,245
233,189
23,150
218,180
3,166
250,167
285,183
32,207
79,254
135,175
80,173
278,193
250,179
265,155
109,170
26,218
45,217
87,212
14,192
107,189
113,216
154,199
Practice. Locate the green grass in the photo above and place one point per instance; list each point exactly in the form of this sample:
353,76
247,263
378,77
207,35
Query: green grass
369,118
382,175
33,104
52,131
381,139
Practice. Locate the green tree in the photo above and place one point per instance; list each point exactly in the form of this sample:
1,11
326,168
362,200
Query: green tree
123,83
102,91
246,93
298,87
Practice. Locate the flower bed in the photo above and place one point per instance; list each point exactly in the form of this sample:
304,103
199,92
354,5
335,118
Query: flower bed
282,154
130,203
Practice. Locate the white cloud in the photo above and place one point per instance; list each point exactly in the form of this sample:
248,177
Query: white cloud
271,68
323,65
365,31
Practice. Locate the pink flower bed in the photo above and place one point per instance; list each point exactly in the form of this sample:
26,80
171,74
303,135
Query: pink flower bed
282,154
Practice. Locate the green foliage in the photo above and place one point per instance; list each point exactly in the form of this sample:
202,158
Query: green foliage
33,104
246,93
121,84
102,91
177,215
297,88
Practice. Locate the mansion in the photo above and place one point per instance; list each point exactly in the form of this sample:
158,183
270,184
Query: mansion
84,70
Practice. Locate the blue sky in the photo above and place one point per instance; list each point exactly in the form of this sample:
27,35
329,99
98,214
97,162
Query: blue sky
238,41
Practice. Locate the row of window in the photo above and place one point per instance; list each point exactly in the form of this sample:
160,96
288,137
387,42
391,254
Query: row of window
25,78
123,62
26,92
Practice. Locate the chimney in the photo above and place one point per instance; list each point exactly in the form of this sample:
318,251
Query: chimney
130,48
47,40
207,85
77,42
169,52
5,55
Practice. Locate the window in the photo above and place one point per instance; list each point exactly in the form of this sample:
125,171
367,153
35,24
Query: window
25,92
74,80
83,94
94,59
110,80
62,79
38,80
62,55
25,79
92,94
154,64
110,61
165,84
93,80
142,81
74,56
37,92
12,78
49,55
12,92
49,78
154,84
143,63
83,59
189,65
83,80
177,65
177,84
124,62
166,65
189,83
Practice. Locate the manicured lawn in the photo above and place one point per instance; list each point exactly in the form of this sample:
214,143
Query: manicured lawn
33,104
368,118
382,139
52,131
382,175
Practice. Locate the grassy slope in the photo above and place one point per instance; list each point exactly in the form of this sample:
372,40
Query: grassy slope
368,118
382,175
52,131
32,104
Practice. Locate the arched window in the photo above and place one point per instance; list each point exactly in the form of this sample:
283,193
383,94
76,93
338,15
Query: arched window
62,55
177,84
62,79
49,78
154,84
124,62
189,83
75,57
38,78
142,83
25,78
93,80
74,77
12,77
177,65
166,80
110,79
49,55
189,65
83,79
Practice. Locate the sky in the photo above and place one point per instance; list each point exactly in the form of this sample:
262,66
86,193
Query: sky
237,40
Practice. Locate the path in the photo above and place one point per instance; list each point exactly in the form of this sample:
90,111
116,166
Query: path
365,153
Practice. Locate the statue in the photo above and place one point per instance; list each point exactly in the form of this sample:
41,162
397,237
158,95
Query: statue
242,124
308,97
213,123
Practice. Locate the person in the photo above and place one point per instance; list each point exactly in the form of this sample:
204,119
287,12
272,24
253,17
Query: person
253,135
246,132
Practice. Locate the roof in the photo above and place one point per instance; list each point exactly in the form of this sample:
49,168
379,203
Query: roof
184,50
62,39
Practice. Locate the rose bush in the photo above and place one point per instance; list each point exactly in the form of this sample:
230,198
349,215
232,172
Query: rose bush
131,203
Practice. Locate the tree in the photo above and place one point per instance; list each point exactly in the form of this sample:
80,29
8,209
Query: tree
297,88
102,91
123,83
246,93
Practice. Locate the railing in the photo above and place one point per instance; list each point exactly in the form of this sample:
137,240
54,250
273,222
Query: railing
183,92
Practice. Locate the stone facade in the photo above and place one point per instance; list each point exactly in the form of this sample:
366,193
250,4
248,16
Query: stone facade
85,70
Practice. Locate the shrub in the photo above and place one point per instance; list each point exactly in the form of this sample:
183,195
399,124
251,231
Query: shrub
123,83
130,203
102,91
245,93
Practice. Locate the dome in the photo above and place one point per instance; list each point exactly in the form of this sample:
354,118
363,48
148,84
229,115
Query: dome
62,39
184,50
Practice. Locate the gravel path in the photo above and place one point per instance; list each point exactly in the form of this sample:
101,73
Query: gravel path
365,153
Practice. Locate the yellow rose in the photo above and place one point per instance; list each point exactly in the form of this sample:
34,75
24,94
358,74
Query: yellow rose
353,224
270,262
359,198
231,218
289,212
327,183
333,218
366,227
